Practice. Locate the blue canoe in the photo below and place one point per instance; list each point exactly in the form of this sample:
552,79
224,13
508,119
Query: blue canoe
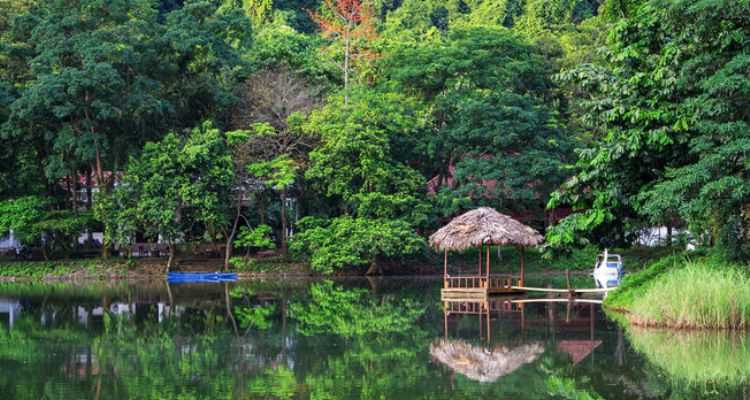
200,277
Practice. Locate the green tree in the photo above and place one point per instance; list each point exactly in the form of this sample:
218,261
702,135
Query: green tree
175,183
494,135
113,76
673,125
362,165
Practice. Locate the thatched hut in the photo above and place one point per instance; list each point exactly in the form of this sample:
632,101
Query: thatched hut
482,364
483,228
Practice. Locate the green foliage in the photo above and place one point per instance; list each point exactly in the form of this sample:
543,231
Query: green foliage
173,179
365,151
670,120
259,237
494,135
33,221
278,44
278,173
21,214
115,75
346,241
256,317
352,313
42,269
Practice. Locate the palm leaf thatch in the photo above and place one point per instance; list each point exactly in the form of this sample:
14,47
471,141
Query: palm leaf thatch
480,364
483,226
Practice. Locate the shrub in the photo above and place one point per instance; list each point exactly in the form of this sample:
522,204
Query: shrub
345,241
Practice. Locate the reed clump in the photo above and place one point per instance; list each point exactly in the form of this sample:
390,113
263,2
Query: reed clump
700,295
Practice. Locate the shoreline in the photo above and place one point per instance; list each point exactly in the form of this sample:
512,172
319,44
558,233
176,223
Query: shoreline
140,275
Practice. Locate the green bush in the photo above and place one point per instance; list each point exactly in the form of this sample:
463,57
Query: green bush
242,264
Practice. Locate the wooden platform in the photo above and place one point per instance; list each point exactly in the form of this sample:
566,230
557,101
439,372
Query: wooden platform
479,287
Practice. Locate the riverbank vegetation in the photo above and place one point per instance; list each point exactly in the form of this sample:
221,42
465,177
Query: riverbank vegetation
677,292
346,131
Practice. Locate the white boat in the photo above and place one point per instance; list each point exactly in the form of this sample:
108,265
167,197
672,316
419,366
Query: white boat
608,270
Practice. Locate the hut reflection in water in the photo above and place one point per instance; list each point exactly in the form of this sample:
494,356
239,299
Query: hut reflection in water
489,359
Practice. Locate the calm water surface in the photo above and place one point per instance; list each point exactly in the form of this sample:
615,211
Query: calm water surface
354,339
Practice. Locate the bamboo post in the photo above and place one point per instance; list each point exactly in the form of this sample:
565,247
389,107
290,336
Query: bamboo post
445,269
488,261
445,320
523,265
489,326
481,248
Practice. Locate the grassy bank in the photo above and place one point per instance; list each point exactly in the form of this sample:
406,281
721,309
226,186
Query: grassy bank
88,268
677,293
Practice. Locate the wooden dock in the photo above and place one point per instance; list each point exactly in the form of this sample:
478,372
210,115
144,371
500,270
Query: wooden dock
481,287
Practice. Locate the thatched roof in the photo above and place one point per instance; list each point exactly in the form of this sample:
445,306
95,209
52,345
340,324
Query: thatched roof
483,226
480,364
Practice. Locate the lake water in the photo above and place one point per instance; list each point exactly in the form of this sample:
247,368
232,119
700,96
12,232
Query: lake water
385,338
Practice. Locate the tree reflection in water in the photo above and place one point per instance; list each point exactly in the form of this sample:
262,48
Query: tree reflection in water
324,340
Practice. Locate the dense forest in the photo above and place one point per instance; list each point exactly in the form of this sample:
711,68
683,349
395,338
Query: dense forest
347,130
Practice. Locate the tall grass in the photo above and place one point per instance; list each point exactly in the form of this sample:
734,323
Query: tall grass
635,284
698,295
696,358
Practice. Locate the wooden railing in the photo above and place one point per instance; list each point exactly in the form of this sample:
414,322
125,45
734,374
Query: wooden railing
482,281
464,282
465,307
480,307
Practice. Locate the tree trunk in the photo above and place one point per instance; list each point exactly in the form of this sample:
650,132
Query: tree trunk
89,203
283,223
171,258
374,268
102,188
72,193
230,238
669,234
347,45
261,209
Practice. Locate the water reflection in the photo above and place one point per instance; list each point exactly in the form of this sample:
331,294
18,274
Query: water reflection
350,339
698,361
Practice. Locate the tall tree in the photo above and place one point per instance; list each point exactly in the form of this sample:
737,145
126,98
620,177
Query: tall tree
496,141
351,22
675,138
362,165
105,78
273,104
